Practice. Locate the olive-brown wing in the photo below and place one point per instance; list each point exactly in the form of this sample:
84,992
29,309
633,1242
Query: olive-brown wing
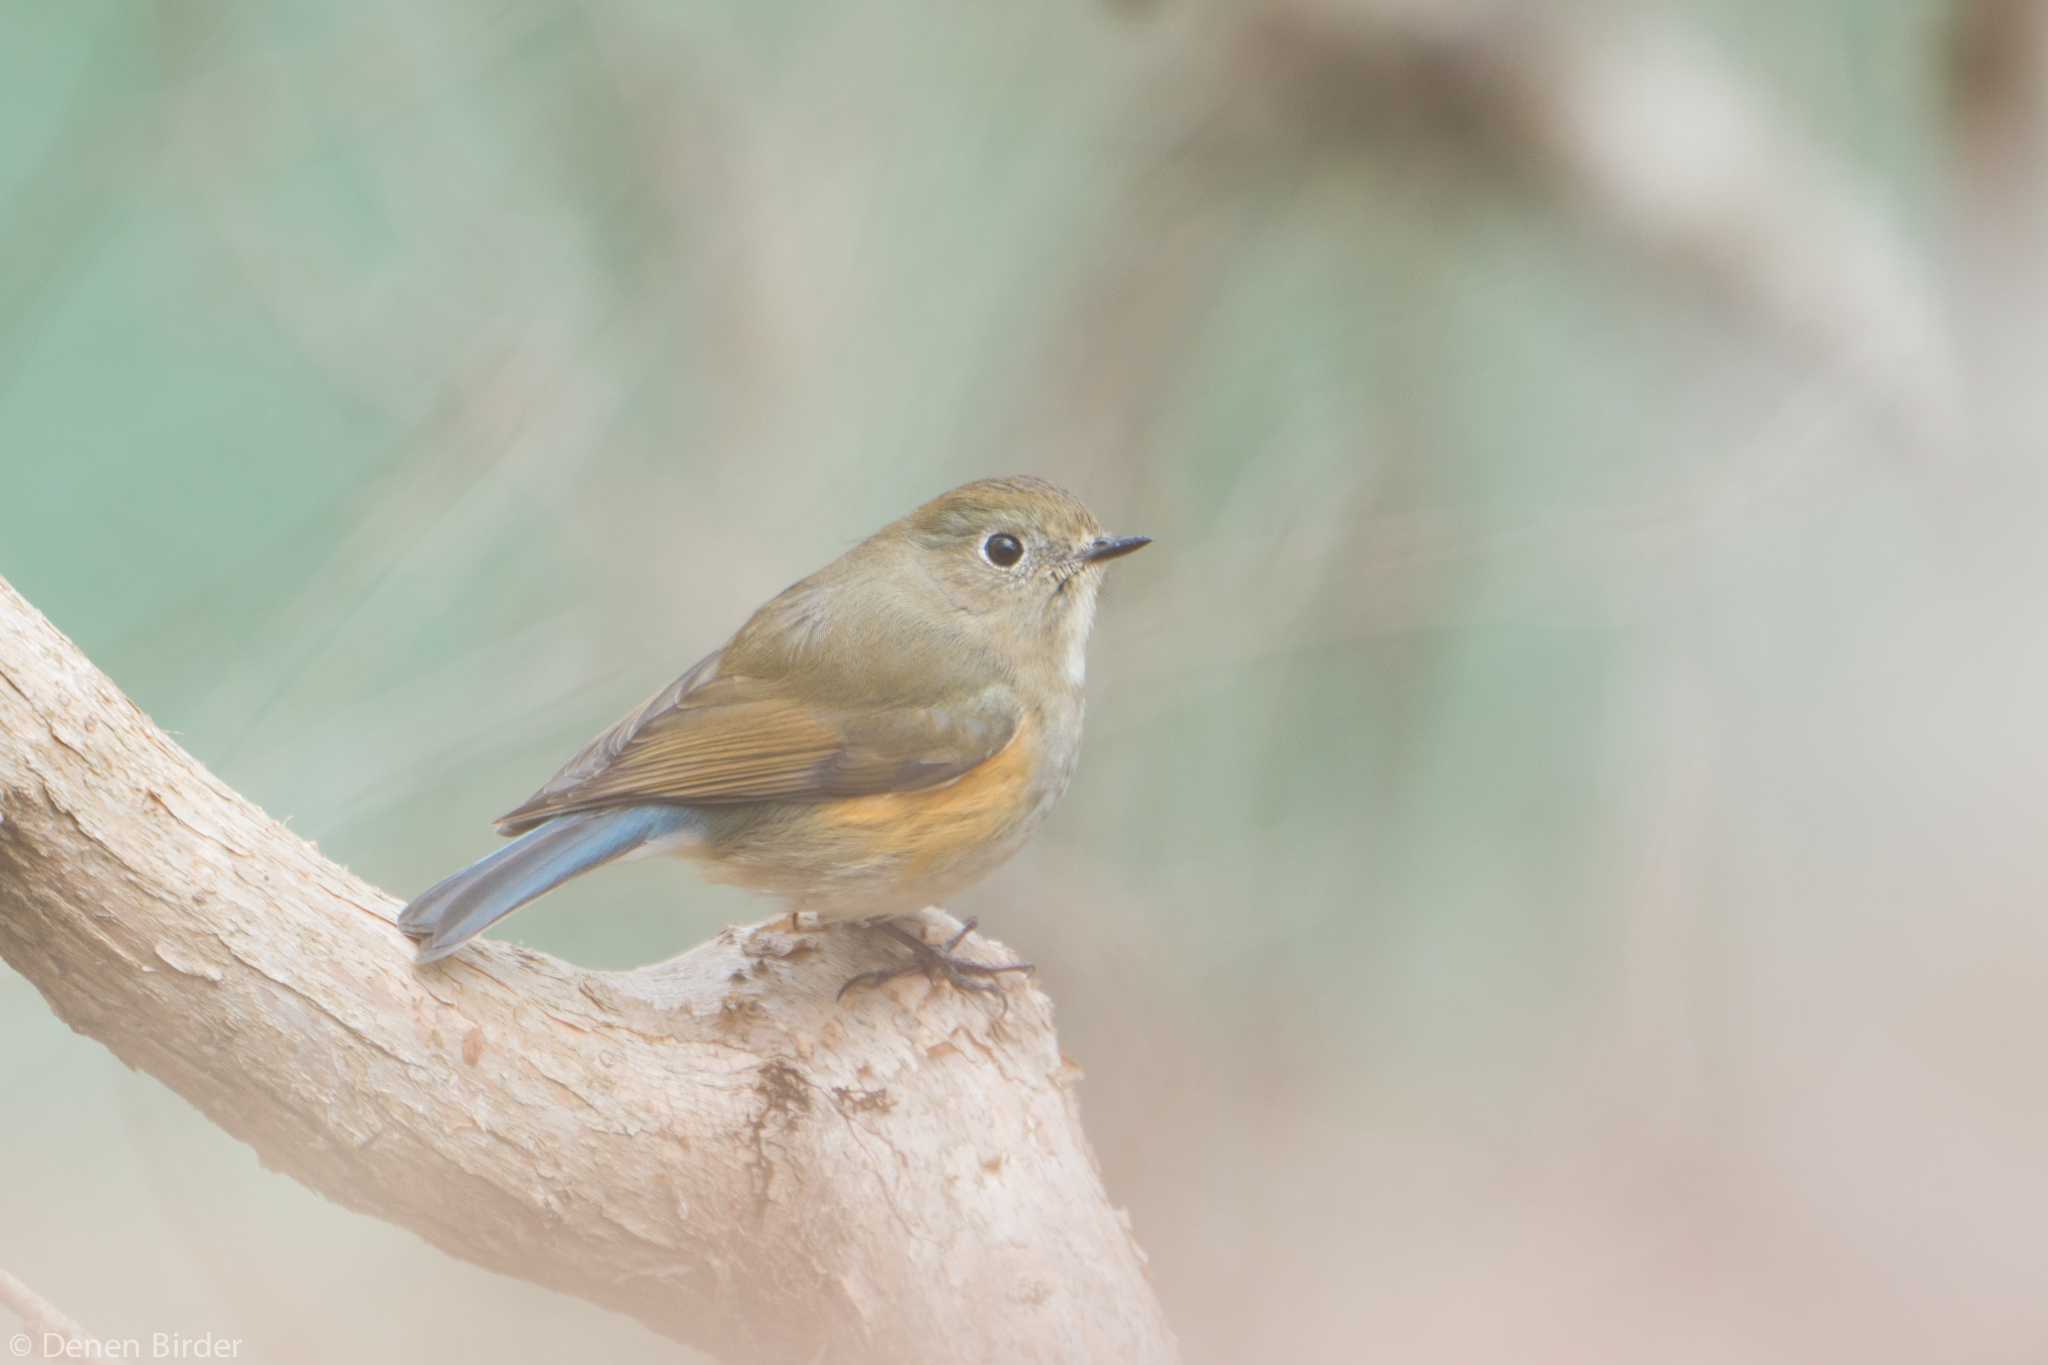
737,740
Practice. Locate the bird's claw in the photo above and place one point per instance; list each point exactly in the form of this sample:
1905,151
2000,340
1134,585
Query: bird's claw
938,964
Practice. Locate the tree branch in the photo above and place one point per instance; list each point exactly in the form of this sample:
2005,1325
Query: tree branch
1629,117
713,1144
37,1313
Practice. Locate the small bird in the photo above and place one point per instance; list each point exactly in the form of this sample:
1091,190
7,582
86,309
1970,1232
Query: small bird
877,737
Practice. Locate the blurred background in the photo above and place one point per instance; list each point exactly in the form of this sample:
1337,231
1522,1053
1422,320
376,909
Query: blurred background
1557,869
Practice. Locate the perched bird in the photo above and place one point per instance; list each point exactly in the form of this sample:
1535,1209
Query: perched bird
877,737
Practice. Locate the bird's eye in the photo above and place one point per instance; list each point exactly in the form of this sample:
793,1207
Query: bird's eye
1002,550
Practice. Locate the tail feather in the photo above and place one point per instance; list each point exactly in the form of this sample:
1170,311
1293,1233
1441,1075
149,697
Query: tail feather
458,908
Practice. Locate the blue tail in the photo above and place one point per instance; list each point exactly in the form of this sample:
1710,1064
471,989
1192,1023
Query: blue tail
458,908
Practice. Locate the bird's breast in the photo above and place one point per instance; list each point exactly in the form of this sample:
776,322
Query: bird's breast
891,852
984,811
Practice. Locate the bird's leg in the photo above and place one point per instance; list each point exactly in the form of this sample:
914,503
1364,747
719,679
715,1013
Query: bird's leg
936,963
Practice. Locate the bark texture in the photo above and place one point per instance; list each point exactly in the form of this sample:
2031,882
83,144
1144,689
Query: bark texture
712,1144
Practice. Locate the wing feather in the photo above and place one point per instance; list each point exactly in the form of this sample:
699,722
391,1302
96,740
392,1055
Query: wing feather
718,740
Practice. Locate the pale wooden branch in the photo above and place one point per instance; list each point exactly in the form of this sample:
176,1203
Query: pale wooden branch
41,1317
1630,117
713,1145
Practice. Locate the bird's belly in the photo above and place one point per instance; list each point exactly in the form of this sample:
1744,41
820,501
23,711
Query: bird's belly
891,852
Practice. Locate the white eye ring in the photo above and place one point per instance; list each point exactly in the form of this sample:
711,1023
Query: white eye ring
1003,550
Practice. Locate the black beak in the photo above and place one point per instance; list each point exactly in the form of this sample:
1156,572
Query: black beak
1112,547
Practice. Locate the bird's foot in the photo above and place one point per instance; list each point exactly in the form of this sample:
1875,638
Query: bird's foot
936,963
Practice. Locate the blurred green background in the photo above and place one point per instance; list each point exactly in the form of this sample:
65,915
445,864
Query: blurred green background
1557,868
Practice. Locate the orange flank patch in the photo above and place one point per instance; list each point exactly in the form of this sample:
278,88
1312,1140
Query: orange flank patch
938,825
